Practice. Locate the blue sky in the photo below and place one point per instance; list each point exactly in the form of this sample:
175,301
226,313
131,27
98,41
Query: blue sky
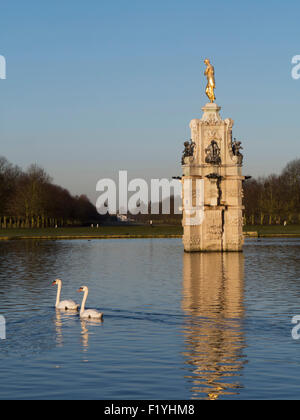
95,87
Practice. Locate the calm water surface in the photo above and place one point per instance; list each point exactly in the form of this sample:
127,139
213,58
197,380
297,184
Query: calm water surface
176,326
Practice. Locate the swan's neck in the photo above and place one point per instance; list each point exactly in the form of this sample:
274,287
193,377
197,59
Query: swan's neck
58,294
84,302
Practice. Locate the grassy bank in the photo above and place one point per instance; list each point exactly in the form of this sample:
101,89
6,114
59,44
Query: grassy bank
107,232
104,232
269,231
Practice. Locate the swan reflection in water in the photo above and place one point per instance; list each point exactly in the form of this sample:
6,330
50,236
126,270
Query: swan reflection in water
85,331
59,320
84,327
213,293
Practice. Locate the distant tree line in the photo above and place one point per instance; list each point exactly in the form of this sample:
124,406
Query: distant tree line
30,199
160,219
274,199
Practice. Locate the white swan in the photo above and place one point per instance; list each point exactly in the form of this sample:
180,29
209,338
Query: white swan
66,305
91,313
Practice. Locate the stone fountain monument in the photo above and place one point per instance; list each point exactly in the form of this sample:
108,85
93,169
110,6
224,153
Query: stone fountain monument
212,181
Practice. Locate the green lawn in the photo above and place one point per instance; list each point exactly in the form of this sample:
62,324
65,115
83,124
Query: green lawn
129,231
274,230
103,231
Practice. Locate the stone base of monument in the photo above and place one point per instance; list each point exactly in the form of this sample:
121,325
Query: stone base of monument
212,186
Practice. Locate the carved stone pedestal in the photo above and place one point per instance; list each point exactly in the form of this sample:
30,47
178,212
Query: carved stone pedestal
212,186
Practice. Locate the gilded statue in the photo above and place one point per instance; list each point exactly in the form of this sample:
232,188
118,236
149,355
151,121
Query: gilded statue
211,84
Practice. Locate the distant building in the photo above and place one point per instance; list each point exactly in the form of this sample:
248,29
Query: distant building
122,217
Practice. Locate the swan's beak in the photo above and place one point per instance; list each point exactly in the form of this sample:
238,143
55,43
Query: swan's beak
54,283
80,290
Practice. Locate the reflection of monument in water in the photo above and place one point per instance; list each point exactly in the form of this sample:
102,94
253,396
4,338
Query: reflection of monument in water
212,181
213,287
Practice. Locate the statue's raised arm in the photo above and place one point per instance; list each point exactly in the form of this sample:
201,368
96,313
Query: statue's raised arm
211,84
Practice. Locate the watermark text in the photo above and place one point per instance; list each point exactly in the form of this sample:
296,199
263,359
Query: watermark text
296,67
296,329
2,328
141,197
2,67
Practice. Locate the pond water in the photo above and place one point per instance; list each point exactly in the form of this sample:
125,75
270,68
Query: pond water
176,326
